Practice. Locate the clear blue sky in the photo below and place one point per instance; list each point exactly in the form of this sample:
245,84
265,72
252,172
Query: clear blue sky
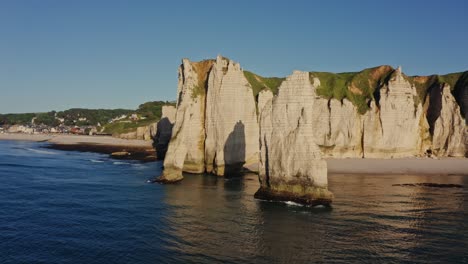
56,55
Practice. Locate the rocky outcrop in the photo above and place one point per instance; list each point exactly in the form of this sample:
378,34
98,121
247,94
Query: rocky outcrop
446,122
396,123
291,164
160,132
376,113
216,128
230,121
186,151
141,133
394,126
163,131
338,127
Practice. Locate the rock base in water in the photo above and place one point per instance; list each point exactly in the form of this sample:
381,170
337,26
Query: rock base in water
310,199
163,180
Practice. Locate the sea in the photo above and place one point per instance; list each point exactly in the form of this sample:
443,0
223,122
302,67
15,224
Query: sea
77,207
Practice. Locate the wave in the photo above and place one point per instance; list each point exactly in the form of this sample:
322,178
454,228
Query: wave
96,161
139,166
41,151
291,203
120,163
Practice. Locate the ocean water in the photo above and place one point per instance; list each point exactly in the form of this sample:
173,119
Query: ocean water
72,207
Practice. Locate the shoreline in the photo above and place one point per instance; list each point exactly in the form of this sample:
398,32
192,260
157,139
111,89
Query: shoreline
142,150
128,149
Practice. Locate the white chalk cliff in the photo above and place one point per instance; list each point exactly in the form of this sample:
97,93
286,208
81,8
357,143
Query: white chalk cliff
448,125
393,128
221,123
337,127
292,167
231,120
216,128
186,147
163,130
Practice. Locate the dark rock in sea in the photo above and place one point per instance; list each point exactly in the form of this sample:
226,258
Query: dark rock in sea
120,154
162,180
429,184
311,200
116,152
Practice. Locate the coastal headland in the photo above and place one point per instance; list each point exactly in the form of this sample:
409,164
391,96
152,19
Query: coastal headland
228,119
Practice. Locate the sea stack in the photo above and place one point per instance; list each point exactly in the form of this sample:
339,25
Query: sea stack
291,164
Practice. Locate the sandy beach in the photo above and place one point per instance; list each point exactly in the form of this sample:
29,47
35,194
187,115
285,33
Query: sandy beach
399,166
76,139
132,148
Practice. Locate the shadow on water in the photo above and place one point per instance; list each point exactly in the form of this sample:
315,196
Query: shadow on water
234,151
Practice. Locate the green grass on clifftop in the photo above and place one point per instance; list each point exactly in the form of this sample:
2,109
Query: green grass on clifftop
259,83
358,87
424,83
362,87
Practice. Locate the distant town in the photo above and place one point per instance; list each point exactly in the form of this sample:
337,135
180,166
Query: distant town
83,121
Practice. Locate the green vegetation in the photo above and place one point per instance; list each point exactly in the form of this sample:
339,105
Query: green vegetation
47,119
197,90
150,111
361,87
259,83
358,87
147,113
90,117
126,126
202,69
332,85
450,79
16,119
70,116
423,83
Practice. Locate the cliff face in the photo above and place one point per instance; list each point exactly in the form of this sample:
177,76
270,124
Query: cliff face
160,132
291,163
163,131
394,125
446,122
142,133
376,113
187,145
338,127
231,120
216,127
395,122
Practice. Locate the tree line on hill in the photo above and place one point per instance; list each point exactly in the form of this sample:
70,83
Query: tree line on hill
150,111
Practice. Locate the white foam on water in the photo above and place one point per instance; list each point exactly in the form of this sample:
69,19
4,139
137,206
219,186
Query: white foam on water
120,163
139,166
96,161
41,151
291,203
